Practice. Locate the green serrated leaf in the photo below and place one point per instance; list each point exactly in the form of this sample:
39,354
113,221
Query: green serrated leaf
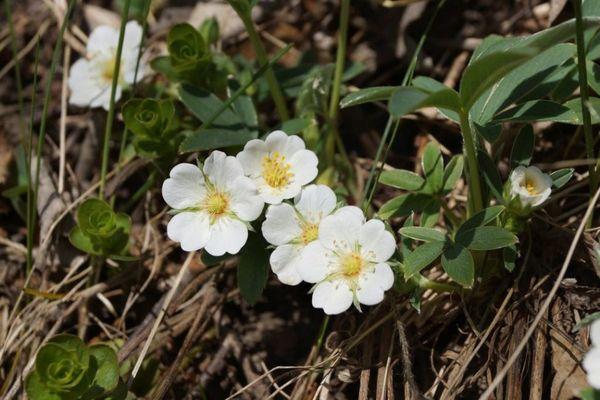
423,234
36,390
421,257
294,126
402,179
458,263
522,149
485,238
367,95
253,268
205,105
214,138
107,372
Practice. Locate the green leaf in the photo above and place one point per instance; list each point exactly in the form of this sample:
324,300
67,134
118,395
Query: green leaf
575,106
509,257
107,373
490,174
423,234
214,138
489,132
458,263
486,238
482,218
522,149
561,177
36,390
294,126
367,95
403,205
433,168
406,242
253,268
590,394
82,242
421,257
593,75
430,85
585,321
406,99
162,65
431,213
452,173
489,69
538,110
244,108
205,105
402,179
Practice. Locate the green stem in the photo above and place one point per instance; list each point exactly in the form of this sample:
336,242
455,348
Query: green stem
439,287
111,108
471,155
261,55
583,87
334,105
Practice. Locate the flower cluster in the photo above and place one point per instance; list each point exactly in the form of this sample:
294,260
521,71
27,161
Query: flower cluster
336,249
91,77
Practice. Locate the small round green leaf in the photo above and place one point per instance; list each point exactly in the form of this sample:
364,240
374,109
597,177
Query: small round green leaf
458,263
486,238
402,179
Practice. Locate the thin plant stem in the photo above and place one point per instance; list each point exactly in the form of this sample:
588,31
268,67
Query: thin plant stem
261,55
111,107
584,90
476,200
44,118
449,213
367,193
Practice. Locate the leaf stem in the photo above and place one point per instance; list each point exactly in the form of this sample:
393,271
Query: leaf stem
475,198
113,91
583,87
261,55
426,283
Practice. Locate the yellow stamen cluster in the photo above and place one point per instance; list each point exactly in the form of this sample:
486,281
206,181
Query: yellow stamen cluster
352,264
310,232
216,204
530,186
108,69
275,170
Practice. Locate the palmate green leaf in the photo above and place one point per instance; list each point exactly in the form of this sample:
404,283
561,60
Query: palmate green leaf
482,218
83,242
561,177
402,179
406,242
253,268
421,257
367,95
485,238
538,110
36,390
458,263
522,149
295,126
433,168
244,107
423,234
403,205
453,172
406,99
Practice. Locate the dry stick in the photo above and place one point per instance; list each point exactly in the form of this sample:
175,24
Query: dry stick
160,316
498,379
63,120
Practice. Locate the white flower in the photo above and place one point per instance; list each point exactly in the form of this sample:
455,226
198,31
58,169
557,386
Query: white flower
591,361
280,165
90,79
348,262
292,228
530,185
214,205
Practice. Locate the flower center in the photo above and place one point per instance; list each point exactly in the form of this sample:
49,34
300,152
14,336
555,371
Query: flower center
529,185
216,204
108,69
309,233
352,264
275,170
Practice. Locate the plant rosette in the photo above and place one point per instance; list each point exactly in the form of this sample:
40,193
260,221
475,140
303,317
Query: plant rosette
99,230
349,262
291,228
213,205
90,78
65,368
279,165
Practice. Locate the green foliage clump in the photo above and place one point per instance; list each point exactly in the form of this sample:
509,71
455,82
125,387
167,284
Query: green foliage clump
66,368
99,230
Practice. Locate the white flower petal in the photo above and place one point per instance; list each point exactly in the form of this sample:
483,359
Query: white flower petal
222,170
251,157
333,297
191,229
377,244
591,364
103,39
83,86
372,284
304,166
185,187
227,235
133,36
284,261
246,203
281,224
314,264
287,146
103,98
341,230
315,202
595,333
